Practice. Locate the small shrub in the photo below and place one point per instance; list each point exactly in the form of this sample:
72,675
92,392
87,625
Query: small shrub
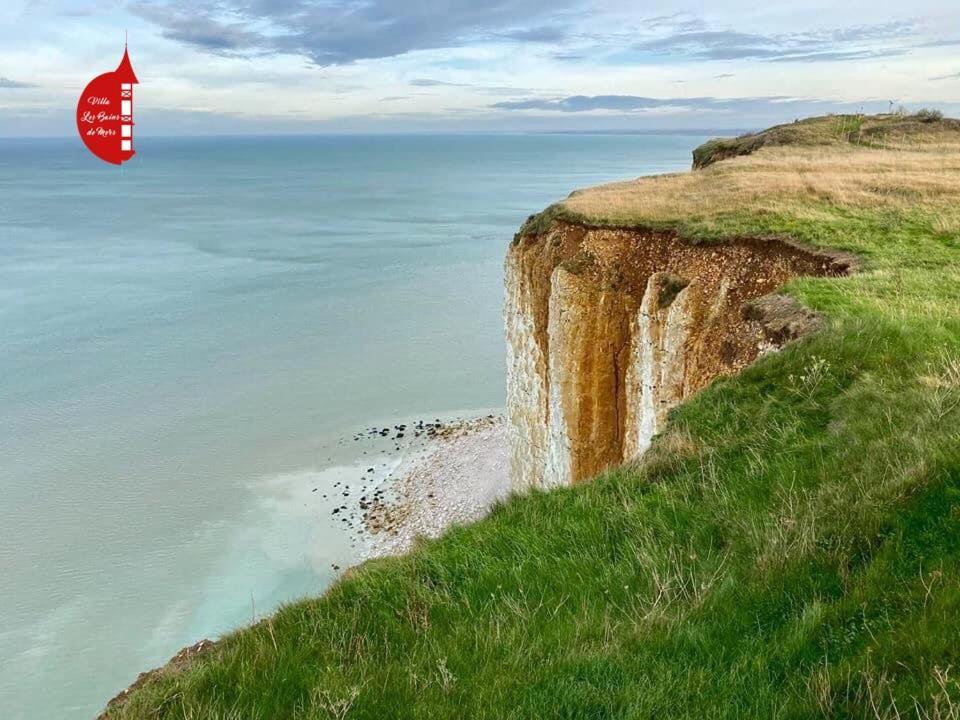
929,115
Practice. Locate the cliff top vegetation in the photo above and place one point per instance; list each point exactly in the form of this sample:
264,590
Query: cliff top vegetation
899,162
789,547
894,131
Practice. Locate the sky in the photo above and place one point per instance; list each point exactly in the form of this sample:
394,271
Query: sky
315,66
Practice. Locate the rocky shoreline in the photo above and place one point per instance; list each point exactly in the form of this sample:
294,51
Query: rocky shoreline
458,477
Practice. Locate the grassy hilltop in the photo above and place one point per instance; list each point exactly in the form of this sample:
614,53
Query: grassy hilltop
789,548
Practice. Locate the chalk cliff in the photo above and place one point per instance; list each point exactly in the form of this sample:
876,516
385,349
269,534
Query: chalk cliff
607,329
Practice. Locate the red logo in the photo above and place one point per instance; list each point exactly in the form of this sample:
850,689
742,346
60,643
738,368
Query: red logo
105,113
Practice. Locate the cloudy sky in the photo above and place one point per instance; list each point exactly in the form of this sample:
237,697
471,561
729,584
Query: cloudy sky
266,66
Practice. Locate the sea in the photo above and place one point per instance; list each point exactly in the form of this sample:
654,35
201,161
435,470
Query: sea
190,345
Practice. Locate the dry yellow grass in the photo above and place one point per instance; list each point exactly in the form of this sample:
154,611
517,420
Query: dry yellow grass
794,180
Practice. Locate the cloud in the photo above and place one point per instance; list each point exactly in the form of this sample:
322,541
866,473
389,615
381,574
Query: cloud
943,42
427,82
780,104
544,34
342,31
489,89
852,43
200,29
709,43
588,103
339,32
677,22
952,76
7,83
841,55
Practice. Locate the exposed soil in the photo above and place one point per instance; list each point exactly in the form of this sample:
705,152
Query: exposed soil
583,286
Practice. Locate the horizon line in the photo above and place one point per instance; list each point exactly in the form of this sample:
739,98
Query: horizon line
391,133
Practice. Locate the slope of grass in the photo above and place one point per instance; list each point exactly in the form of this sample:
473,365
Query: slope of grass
789,548
895,130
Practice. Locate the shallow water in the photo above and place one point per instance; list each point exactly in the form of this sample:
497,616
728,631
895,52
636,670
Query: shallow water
189,342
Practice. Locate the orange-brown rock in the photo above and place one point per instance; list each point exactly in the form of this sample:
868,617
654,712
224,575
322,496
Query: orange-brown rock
607,329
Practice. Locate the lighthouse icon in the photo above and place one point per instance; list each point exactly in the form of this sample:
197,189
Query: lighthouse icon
105,113
124,73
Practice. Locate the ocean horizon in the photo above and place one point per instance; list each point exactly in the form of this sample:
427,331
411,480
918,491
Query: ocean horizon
191,343
705,132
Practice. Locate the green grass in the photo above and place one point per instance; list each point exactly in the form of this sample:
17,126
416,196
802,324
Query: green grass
790,548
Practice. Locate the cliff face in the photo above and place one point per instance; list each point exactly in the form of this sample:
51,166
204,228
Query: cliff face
609,329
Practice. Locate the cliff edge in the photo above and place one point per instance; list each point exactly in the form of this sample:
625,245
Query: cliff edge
616,312
608,329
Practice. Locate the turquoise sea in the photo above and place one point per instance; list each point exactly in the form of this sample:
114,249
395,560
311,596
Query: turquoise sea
188,344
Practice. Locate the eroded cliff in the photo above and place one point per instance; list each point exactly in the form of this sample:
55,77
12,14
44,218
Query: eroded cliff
607,329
